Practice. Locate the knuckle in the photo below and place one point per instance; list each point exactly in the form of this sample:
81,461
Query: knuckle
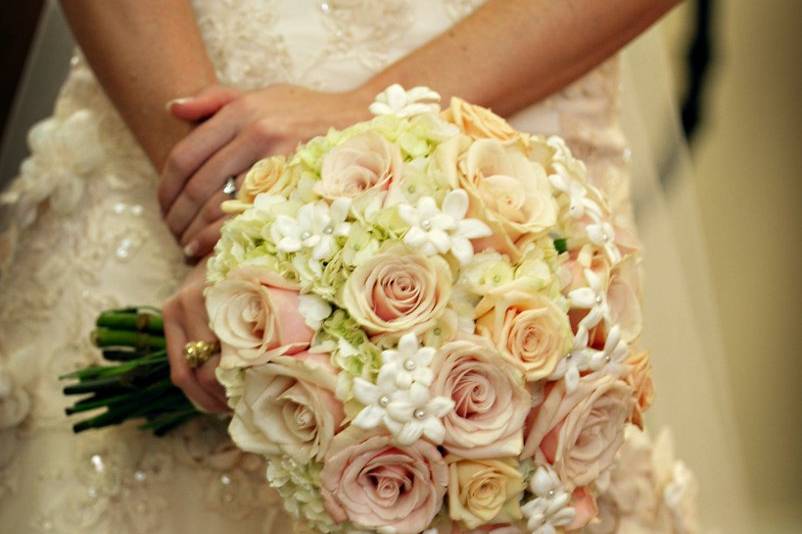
179,162
195,191
179,376
260,131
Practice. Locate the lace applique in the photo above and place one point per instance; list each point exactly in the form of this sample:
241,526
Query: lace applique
242,42
363,30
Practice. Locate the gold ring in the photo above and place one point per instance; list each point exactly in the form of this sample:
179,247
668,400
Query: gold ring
198,352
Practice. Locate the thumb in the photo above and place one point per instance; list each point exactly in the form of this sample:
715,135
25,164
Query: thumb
203,105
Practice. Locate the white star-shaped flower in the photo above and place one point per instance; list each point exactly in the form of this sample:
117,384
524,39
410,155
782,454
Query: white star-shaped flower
593,298
434,231
550,507
578,202
315,227
396,101
613,356
418,414
602,235
409,362
576,361
376,398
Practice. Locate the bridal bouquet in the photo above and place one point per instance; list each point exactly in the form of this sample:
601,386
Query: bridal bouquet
427,322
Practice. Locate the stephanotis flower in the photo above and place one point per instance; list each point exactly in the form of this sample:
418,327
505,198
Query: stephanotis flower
578,202
409,363
551,506
400,399
315,227
433,230
593,298
396,101
602,234
583,358
576,361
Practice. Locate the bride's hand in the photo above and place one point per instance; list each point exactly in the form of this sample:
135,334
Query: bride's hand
185,320
241,131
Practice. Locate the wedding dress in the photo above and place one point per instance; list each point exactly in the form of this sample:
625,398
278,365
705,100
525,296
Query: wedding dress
86,235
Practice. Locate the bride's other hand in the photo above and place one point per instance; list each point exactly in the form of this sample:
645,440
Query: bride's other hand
185,320
252,126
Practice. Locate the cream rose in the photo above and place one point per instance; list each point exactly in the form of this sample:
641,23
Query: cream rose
479,122
397,292
528,329
484,491
491,402
366,162
268,176
288,407
508,192
579,433
639,378
254,313
372,483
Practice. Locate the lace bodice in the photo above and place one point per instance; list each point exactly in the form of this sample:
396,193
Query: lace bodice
85,233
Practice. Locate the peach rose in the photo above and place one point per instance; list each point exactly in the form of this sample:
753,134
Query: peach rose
509,192
288,407
580,432
491,402
639,378
530,330
372,483
254,313
398,291
366,162
623,296
484,491
479,122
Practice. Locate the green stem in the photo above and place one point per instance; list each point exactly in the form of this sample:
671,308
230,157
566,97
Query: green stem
106,337
133,320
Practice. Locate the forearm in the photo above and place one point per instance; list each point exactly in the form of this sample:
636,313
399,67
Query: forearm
510,53
144,53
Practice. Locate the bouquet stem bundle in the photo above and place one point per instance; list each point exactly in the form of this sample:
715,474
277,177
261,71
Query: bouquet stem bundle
136,382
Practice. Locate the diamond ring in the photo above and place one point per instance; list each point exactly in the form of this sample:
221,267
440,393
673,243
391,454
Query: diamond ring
230,187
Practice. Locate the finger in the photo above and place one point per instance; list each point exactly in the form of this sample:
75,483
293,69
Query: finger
203,243
204,104
231,160
211,212
180,373
187,156
197,327
208,379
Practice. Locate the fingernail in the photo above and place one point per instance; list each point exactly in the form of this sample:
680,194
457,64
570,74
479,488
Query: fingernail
183,100
191,249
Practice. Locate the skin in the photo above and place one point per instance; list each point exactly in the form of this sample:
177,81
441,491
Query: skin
149,53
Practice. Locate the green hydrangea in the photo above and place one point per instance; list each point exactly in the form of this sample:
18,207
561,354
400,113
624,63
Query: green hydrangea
297,484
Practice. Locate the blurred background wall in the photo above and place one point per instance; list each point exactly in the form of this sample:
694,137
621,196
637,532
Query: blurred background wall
746,182
747,160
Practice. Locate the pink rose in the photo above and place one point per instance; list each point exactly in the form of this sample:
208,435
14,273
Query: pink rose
254,313
491,402
288,407
372,483
398,291
579,433
366,162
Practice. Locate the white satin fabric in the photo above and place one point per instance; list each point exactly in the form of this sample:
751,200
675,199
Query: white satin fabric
86,234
